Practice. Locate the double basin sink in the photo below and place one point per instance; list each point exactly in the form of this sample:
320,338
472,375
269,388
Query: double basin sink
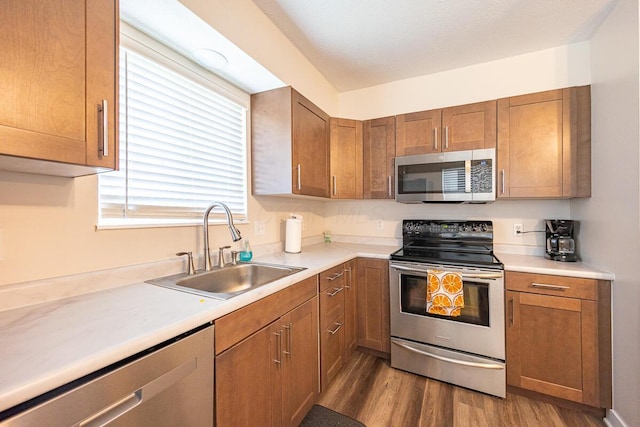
227,282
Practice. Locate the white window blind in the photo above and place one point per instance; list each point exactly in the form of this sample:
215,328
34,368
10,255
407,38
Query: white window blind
182,146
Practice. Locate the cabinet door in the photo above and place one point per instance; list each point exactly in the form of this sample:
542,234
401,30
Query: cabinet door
373,304
310,148
418,133
300,387
544,144
59,65
469,127
550,342
332,350
350,313
346,159
378,153
248,380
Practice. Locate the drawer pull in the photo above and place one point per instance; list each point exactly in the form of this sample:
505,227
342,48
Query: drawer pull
335,291
336,329
553,287
335,276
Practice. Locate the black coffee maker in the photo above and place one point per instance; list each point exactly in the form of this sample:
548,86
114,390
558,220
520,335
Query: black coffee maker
561,245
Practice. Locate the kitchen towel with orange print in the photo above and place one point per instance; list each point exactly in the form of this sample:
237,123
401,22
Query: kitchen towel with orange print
444,293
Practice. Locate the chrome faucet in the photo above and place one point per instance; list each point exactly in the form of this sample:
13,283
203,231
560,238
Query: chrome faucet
235,233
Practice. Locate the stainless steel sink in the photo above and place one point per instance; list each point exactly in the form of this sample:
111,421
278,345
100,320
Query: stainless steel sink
224,283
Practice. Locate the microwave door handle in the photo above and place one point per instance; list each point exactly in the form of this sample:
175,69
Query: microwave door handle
467,176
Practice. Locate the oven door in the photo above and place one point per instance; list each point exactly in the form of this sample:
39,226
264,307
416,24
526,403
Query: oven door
480,327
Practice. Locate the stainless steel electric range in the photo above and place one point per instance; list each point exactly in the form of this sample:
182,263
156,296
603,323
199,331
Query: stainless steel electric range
466,350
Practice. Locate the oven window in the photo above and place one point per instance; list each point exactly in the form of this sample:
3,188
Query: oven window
413,299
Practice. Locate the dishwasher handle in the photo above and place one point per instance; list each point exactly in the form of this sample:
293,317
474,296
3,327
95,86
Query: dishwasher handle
144,393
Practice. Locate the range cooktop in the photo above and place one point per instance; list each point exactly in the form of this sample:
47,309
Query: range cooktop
468,243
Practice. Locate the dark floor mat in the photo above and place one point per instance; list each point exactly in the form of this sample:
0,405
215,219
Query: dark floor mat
319,416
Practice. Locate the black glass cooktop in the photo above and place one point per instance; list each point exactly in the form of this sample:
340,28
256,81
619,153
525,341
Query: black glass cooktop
464,243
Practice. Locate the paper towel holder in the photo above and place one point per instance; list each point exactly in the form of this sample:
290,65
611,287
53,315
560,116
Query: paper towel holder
293,234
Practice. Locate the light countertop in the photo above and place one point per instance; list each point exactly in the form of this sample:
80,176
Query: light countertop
44,346
541,265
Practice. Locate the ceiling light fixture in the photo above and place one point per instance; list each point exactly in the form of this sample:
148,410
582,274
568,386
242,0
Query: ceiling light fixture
210,59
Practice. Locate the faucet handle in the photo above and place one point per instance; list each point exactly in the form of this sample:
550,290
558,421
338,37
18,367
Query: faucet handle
190,267
234,257
221,249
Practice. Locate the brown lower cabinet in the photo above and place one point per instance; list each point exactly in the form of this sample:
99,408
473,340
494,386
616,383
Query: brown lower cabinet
271,376
558,337
332,323
373,305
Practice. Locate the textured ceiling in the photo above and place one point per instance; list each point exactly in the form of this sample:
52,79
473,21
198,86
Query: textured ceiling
362,43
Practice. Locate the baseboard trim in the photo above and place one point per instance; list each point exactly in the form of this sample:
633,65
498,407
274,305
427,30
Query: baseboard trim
613,419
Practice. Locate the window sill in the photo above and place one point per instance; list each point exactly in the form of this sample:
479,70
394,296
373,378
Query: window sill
120,225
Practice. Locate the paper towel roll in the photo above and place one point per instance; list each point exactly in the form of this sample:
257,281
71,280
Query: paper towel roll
293,235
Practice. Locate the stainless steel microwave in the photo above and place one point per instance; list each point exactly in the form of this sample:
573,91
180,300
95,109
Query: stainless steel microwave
456,176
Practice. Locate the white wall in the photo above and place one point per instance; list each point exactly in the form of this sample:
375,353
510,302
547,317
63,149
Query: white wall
555,68
610,219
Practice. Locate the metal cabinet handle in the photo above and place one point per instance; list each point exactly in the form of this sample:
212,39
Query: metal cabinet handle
553,287
191,269
334,185
103,140
389,185
334,277
435,138
336,291
278,347
336,329
299,181
511,311
289,329
503,183
348,270
446,137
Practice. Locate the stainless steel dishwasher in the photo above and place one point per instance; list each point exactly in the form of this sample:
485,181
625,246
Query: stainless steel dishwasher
170,385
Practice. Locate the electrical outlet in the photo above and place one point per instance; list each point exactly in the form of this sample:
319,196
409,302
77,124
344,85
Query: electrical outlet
259,228
518,229
379,224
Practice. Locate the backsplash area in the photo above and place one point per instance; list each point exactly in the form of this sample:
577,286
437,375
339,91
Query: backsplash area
383,219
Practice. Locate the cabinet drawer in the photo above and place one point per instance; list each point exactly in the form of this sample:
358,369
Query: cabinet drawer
332,278
331,304
572,287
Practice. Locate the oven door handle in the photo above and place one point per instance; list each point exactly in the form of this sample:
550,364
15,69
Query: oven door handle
449,360
464,275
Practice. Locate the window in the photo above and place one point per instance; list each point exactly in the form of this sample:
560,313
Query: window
182,145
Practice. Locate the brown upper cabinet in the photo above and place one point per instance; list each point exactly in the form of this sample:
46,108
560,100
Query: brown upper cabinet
544,144
346,158
290,144
464,127
58,85
377,160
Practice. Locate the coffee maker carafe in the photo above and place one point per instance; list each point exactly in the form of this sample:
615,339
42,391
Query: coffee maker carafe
561,245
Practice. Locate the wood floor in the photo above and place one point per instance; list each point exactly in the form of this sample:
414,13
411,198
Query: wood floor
372,392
